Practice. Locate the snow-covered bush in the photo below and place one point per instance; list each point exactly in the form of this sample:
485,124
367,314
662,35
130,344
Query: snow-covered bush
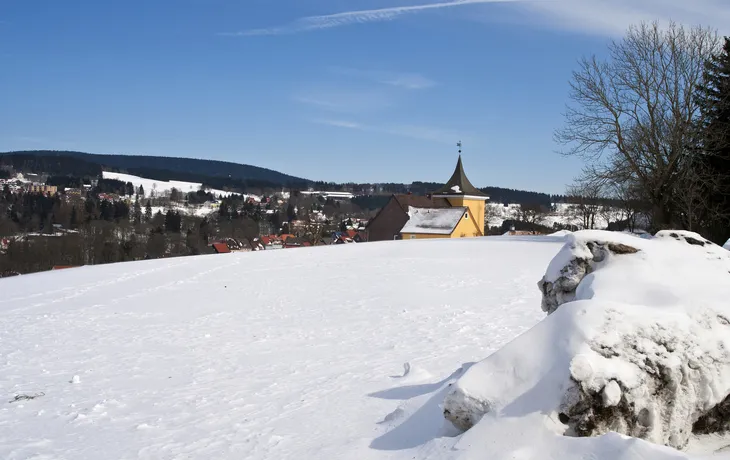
637,341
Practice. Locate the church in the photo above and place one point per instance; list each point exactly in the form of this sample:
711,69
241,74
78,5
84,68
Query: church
454,211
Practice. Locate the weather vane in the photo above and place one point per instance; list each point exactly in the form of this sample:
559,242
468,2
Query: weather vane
458,144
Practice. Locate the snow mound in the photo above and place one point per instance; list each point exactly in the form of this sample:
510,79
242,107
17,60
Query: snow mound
637,342
561,233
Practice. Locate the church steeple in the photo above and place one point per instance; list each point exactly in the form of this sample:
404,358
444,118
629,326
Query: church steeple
459,184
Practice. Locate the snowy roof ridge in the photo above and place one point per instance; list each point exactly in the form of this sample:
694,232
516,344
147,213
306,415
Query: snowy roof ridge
433,221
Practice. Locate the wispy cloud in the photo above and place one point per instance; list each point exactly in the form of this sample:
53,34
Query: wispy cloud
399,79
328,21
344,100
423,133
595,17
613,17
340,124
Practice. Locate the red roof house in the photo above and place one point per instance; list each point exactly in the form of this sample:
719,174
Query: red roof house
221,248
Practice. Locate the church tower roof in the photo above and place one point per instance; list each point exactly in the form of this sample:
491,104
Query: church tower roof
459,184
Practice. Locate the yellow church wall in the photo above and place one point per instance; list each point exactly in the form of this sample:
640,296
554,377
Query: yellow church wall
465,228
476,211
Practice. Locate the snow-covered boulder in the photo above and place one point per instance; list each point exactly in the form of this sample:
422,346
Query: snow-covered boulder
637,341
578,259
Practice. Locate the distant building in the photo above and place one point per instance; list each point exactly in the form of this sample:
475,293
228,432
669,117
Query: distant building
463,218
388,222
42,188
454,211
220,248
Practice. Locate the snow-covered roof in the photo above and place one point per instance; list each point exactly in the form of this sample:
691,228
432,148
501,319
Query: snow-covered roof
434,221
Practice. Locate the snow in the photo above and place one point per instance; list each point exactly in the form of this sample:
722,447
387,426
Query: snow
202,210
161,187
434,221
284,355
659,311
564,214
727,245
260,355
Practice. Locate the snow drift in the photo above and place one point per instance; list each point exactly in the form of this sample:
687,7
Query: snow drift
637,342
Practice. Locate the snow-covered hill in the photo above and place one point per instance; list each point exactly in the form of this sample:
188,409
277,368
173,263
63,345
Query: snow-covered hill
267,355
160,186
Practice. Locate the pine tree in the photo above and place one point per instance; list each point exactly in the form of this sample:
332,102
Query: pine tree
137,212
106,210
140,191
148,211
74,221
291,213
714,101
223,212
172,222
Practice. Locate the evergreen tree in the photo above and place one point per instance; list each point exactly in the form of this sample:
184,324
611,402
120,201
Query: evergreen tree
291,213
106,210
223,212
204,230
90,208
148,211
173,221
137,212
121,210
140,191
74,221
714,101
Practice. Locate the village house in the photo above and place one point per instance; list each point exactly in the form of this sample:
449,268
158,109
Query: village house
454,211
42,188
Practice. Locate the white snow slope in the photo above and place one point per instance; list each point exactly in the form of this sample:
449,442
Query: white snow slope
160,186
295,354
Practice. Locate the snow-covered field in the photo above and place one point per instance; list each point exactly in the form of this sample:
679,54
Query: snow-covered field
273,355
160,186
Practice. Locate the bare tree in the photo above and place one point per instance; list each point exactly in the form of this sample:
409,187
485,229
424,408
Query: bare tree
584,198
633,206
532,213
633,117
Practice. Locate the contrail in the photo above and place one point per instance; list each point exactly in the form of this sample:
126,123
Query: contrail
312,23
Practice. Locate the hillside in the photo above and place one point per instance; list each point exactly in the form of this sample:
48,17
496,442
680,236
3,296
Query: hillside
231,176
186,169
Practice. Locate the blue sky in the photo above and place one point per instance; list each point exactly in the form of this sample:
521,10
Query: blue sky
341,90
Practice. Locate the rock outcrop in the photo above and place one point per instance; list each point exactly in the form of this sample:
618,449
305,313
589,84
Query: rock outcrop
636,341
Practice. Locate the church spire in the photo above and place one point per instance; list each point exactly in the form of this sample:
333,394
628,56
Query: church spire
459,184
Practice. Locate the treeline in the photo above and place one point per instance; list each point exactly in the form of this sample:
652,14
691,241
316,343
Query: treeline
73,169
179,166
50,164
496,195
